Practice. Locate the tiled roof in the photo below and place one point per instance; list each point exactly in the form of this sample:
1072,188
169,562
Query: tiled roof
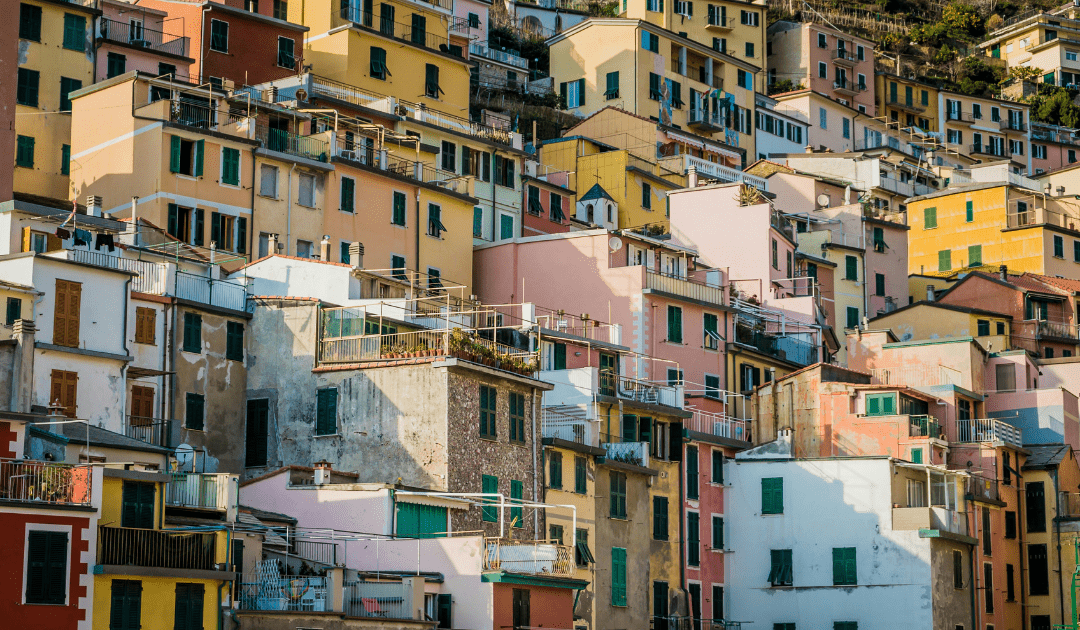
310,260
596,192
1045,455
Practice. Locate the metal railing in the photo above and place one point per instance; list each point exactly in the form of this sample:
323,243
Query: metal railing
206,290
460,26
627,388
310,147
378,599
351,349
350,93
703,116
150,278
684,287
139,35
849,86
157,548
988,430
636,453
45,482
718,424
154,431
1040,328
528,557
207,491
925,426
712,170
456,123
501,56
982,488
1069,504
295,593
987,149
782,347
916,376
315,551
906,104
961,117
397,30
1040,216
561,426
428,174
844,55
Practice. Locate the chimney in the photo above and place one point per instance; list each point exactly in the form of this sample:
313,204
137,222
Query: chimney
691,177
929,293
809,148
322,473
135,220
271,244
93,205
324,247
356,255
1003,273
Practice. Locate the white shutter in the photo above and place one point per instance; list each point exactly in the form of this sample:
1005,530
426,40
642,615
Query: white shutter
268,181
307,190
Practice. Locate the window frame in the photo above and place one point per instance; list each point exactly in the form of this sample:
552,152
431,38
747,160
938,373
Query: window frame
217,36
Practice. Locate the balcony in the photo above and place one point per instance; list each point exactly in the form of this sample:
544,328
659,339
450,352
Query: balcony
990,150
1031,216
150,276
635,390
920,426
568,428
528,557
309,147
142,37
682,287
460,27
718,424
206,290
981,488
157,548
712,170
974,430
844,57
498,56
402,32
45,483
906,105
848,87
390,600
201,491
940,518
635,453
965,118
154,431
289,592
719,23
905,189
1042,329
780,346
703,119
1014,125
916,376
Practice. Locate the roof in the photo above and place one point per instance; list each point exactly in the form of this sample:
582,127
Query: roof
596,192
307,260
266,514
82,432
949,307
1045,455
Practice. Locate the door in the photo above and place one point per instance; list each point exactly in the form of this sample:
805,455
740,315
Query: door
521,609
66,313
695,604
258,428
63,390
142,406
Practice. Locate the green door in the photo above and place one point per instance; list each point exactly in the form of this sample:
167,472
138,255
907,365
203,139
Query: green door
421,521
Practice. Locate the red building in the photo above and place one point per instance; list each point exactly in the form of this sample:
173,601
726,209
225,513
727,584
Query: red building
231,43
547,205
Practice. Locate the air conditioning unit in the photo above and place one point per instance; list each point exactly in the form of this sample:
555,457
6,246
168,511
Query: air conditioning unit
530,168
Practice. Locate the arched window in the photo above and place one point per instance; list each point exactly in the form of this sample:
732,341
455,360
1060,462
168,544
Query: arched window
611,213
589,213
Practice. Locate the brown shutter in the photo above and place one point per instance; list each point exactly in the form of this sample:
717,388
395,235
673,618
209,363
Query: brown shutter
74,309
64,388
26,239
142,405
60,327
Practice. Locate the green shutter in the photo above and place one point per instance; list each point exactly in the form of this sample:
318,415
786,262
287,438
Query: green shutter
692,472
618,576
844,566
137,505
888,404
421,521
975,255
674,322
555,470
929,218
46,575
517,489
560,356
489,485
200,146
194,411
399,208
873,405
174,159
718,532
192,332
580,475
215,227
772,495
74,32
199,227
326,411
234,341
851,270
65,159
231,166
970,212
944,258
660,518
347,191
852,317
693,539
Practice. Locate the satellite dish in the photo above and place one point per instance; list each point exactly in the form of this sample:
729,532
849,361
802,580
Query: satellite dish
185,457
615,243
823,200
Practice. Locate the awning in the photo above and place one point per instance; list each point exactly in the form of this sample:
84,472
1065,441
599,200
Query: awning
454,503
141,372
701,143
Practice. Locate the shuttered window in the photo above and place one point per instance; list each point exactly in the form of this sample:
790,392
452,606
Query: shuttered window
692,472
234,341
489,485
195,412
66,313
30,22
137,507
46,567
844,571
74,32
230,166
421,521
693,539
618,576
674,324
13,312
125,611
348,192
1035,497
929,218
27,86
24,151
772,495
189,607
718,467
555,470
142,405
780,569
517,417
431,81
326,411
399,208
851,268
717,532
378,68
145,325
617,502
192,332
64,388
67,86
488,397
257,432
580,476
881,404
517,493
660,518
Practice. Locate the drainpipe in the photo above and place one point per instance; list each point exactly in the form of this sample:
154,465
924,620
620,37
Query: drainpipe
251,229
536,475
1057,543
682,522
288,215
124,370
1020,496
974,603
417,230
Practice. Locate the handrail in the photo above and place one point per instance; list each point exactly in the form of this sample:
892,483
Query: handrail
45,482
311,147
143,37
401,32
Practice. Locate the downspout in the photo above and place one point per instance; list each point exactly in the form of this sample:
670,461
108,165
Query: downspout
974,603
1020,496
417,260
172,361
536,475
288,216
202,35
682,521
251,229
228,560
124,370
1057,543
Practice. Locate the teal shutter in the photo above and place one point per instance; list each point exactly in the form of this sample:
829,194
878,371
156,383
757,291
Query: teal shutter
674,322
772,495
560,356
489,485
692,472
234,341
478,222
125,612
326,411
200,146
517,493
851,271
74,32
555,471
348,186
660,518
844,566
693,539
444,611
888,404
194,412
215,227
174,156
421,521
873,405
618,576
399,208
970,212
192,333
199,227
580,480
230,166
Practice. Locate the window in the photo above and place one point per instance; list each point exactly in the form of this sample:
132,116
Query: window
306,195
582,554
478,222
555,204
580,472
30,22
693,539
823,118
192,333
646,196
1036,506
618,576
268,181
1010,588
822,70
517,417
987,547
487,412
303,249
65,159
612,86
115,65
660,518
286,57
189,607
848,625
378,68
504,172
712,386
67,86
983,327
974,255
555,470
692,472
573,93
257,432
194,412
844,566
1072,156
24,152
879,284
348,194
506,226
230,166
435,282
944,260
66,313
929,218
489,485
650,41
880,404
1059,247
749,18
435,225
186,157
326,411
711,334
821,43
74,32
449,156
474,20
137,505
749,49
1038,151
517,489
125,610
958,568
1010,524
674,324
26,92
219,36
618,495
772,495
718,467
14,311
1038,572
281,10
398,216
846,127
431,81
780,573
46,566
851,268
852,317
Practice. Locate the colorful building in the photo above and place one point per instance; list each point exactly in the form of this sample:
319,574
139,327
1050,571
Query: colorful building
137,37
1038,39
825,60
1052,148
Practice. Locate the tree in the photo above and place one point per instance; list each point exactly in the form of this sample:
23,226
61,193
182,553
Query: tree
1023,73
784,85
1055,108
959,18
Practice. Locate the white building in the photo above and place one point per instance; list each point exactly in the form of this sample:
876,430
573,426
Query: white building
867,542
777,132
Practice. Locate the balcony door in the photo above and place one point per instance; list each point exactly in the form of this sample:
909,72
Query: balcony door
142,406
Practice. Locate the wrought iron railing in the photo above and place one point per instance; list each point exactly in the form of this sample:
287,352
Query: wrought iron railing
987,430
389,600
45,482
528,557
139,35
206,290
783,347
389,28
310,147
154,431
207,491
157,548
636,453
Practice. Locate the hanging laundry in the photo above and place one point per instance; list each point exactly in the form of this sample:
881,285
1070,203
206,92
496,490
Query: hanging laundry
62,234
82,237
104,240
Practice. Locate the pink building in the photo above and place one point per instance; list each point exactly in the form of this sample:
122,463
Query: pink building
137,37
1052,147
548,204
825,60
474,14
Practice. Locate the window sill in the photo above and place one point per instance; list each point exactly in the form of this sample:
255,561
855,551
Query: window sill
619,518
190,351
186,176
780,514
195,430
398,225
490,438
518,443
305,206
344,211
224,52
433,237
271,197
328,435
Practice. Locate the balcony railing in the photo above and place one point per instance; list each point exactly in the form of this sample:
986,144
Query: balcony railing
205,491
198,114
402,32
456,123
1041,328
718,424
154,431
702,117
460,26
961,117
916,376
500,56
712,170
982,488
851,87
138,35
206,290
157,548
627,388
925,426
915,518
561,426
988,149
45,482
1040,216
390,600
310,147
150,278
910,106
988,430
844,56
295,593
1069,505
528,557
781,347
428,174
684,287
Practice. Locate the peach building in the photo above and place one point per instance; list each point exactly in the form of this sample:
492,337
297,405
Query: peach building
825,60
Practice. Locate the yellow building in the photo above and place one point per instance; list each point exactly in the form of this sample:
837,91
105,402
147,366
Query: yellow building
657,74
1044,40
934,320
146,575
56,57
735,28
993,224
906,101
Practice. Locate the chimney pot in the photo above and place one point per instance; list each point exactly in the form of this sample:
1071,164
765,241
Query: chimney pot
356,255
324,247
1003,273
929,293
322,472
93,205
272,245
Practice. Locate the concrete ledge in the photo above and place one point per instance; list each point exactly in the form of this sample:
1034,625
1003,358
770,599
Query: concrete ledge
41,345
574,446
41,505
185,574
940,533
697,436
